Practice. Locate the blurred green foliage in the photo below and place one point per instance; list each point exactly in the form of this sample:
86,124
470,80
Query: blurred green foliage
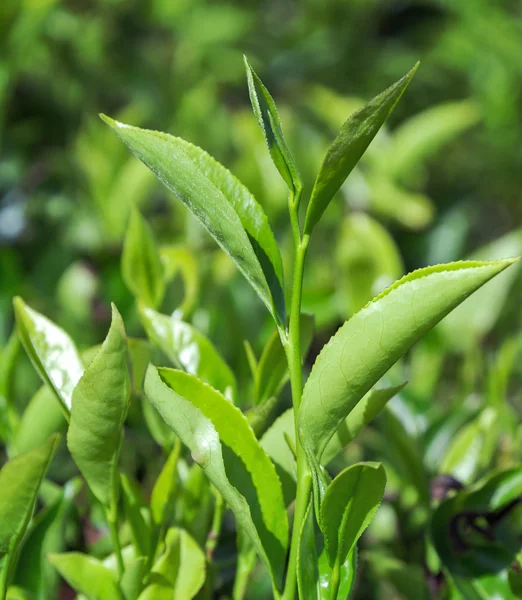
442,181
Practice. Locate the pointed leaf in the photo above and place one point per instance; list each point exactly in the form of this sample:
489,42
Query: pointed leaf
349,505
189,349
20,480
99,407
367,345
348,147
51,351
179,572
267,116
141,263
219,201
224,445
87,575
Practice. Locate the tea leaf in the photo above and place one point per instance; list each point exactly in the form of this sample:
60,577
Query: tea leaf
367,345
179,572
266,114
134,511
141,263
87,575
348,147
20,480
224,445
219,201
313,569
189,350
51,351
99,408
349,505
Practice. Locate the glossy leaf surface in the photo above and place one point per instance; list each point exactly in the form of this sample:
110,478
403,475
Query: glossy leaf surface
349,505
99,407
189,350
224,445
87,575
217,199
20,480
367,345
348,147
141,263
51,351
267,117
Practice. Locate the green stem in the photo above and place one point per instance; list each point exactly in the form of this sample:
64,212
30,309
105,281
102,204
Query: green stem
112,521
292,345
335,580
215,530
3,579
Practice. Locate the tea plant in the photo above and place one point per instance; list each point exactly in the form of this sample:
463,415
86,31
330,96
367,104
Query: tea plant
266,464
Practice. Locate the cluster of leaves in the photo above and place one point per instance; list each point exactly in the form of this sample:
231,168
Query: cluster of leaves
265,463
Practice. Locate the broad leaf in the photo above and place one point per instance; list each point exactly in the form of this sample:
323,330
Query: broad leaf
219,201
87,575
179,572
141,263
348,147
367,345
349,505
189,349
20,480
267,117
272,371
99,408
51,351
224,445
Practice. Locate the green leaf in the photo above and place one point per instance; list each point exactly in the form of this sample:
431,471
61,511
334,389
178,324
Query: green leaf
267,117
51,351
367,345
87,575
313,569
350,502
220,202
42,417
20,480
131,582
224,445
179,572
141,263
99,407
137,517
272,371
189,349
364,412
408,579
46,535
348,147
181,259
165,488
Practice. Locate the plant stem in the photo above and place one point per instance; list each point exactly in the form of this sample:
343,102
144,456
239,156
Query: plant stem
113,528
215,530
3,579
292,346
335,580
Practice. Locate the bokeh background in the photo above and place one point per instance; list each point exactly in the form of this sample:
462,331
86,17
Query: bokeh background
441,182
